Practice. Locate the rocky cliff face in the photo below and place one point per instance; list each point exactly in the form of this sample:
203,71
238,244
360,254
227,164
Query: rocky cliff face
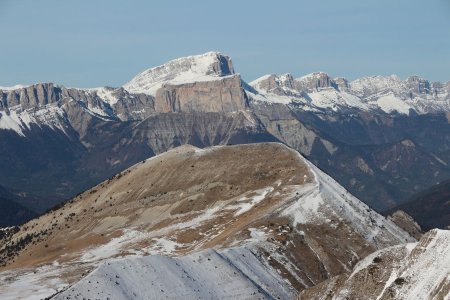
31,96
225,95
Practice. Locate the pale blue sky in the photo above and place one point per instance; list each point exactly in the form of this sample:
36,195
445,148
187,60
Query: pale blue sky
88,43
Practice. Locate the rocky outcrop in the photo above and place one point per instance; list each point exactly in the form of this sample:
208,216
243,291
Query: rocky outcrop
407,223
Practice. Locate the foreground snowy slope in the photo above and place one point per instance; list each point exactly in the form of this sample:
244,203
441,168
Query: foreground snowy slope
211,274
300,225
412,271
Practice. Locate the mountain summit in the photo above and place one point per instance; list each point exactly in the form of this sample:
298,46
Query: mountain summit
203,67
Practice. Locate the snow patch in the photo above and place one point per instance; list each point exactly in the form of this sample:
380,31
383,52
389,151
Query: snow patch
245,204
390,103
12,122
107,95
112,248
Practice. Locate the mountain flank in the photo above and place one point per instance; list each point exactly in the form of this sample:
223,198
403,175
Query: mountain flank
264,200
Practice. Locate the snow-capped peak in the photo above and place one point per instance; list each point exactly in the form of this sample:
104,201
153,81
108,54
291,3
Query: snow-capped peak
203,67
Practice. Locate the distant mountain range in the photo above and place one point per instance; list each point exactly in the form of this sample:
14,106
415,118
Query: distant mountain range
321,93
382,138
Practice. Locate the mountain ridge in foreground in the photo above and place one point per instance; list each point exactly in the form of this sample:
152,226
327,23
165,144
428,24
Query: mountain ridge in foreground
295,224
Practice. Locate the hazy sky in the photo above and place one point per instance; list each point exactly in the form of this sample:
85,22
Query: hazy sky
88,43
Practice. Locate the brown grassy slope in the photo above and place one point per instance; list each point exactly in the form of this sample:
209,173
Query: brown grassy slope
194,199
158,193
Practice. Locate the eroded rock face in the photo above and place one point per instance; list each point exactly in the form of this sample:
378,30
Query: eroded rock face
225,95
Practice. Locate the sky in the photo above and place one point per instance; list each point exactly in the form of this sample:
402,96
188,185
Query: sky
90,43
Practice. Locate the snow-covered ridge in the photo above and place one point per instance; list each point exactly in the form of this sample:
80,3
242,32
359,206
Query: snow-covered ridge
327,199
204,67
321,93
212,274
